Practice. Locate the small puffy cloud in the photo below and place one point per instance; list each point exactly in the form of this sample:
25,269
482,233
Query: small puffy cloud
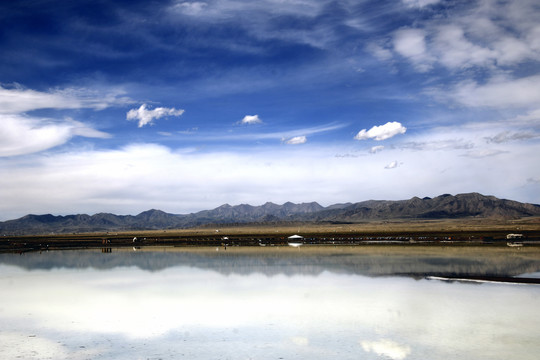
295,140
146,116
381,132
392,165
251,119
376,149
387,348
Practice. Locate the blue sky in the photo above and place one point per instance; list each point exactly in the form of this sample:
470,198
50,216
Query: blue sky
123,106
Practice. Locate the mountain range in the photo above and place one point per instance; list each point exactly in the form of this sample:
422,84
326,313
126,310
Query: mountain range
441,207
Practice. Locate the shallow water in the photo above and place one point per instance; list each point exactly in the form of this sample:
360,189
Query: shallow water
281,303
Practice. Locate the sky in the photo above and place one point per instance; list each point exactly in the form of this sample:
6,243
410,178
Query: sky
182,106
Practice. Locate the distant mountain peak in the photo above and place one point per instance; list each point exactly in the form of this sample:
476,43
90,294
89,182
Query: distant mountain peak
152,211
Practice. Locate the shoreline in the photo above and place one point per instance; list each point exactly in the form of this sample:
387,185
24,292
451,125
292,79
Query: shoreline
72,242
453,232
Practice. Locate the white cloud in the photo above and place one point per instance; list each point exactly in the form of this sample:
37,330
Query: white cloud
78,128
419,3
448,143
21,100
531,117
257,18
191,8
387,348
483,153
487,34
254,15
123,181
533,38
189,131
379,51
296,140
381,132
146,116
251,119
411,44
511,51
283,135
392,165
498,92
25,135
453,50
506,136
18,99
376,149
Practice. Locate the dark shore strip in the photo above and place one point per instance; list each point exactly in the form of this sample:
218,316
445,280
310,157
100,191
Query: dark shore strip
488,279
407,238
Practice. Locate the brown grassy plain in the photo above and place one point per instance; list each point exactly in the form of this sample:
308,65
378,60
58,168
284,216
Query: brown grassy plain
370,227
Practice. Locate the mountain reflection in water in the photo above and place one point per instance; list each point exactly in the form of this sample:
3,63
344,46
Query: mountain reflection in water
365,260
308,303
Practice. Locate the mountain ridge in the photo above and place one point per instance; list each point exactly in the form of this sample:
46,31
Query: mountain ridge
444,206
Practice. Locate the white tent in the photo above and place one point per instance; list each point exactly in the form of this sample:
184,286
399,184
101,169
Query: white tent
295,240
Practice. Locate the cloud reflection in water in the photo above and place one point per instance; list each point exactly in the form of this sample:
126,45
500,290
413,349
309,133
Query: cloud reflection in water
128,312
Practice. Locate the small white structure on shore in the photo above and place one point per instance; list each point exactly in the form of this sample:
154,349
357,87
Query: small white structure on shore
295,241
514,236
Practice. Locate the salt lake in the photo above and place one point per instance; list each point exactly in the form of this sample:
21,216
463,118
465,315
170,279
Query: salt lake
363,302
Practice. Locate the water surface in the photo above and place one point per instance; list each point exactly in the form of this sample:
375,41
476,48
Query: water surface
268,303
